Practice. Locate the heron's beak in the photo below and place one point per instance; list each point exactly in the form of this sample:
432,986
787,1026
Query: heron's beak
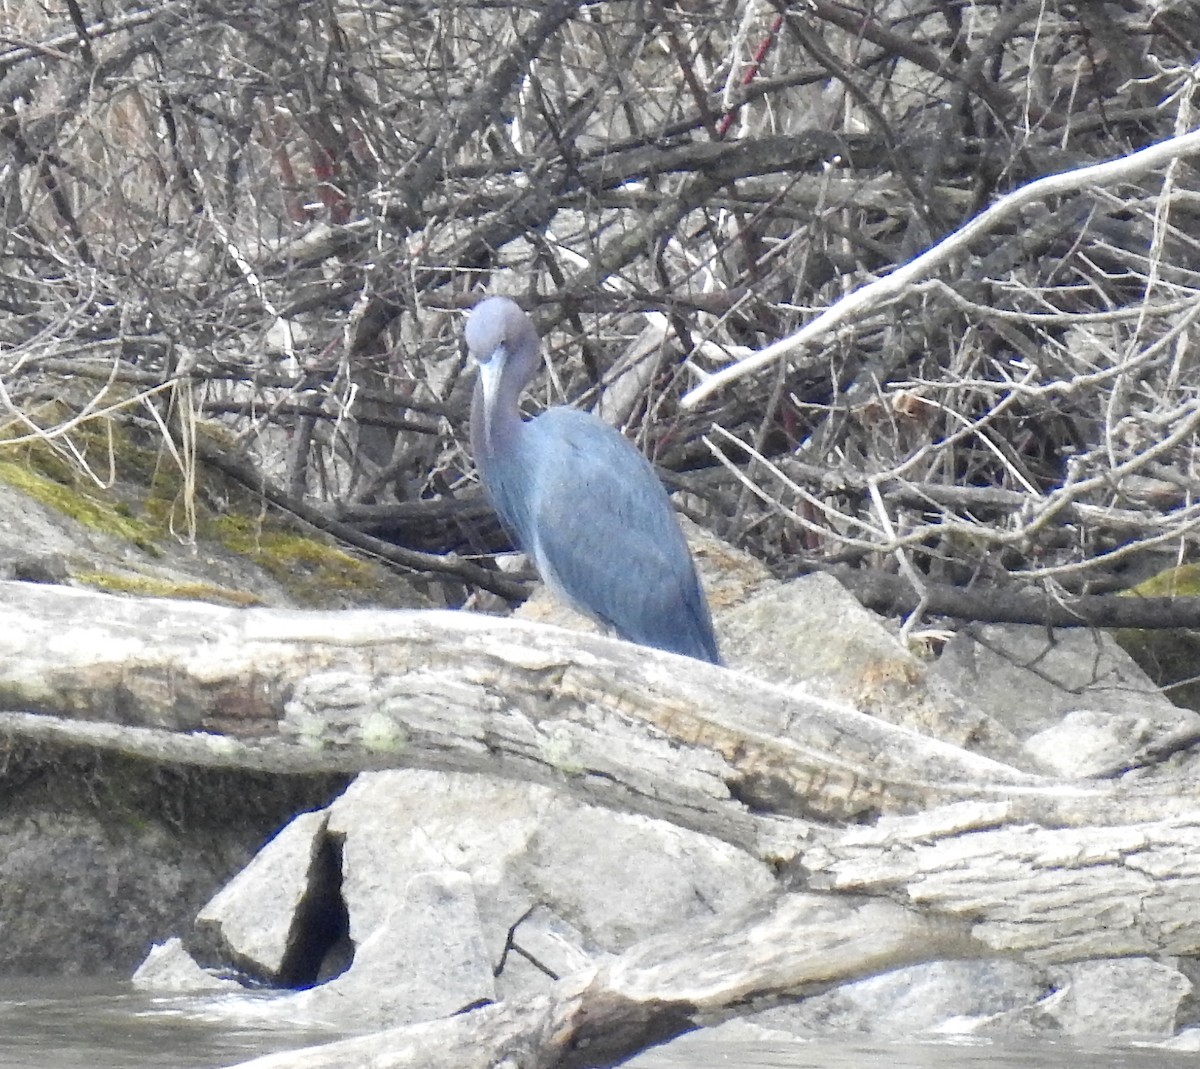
490,372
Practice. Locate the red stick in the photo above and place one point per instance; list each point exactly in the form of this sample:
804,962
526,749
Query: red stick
760,53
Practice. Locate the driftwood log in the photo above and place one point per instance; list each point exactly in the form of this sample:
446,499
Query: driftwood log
894,847
800,946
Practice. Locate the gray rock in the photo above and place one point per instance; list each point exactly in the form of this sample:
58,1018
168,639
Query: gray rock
101,855
937,997
256,920
1052,674
395,825
65,547
422,959
1125,998
1102,999
814,633
1092,742
463,887
543,945
110,542
619,878
169,968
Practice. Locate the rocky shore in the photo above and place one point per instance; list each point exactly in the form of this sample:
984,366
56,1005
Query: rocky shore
450,836
507,857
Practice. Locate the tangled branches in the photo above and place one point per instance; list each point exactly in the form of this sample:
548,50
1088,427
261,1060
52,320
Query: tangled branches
268,217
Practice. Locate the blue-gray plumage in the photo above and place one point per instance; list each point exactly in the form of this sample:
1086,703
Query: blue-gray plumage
580,499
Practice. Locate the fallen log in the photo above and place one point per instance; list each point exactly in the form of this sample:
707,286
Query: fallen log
796,946
711,749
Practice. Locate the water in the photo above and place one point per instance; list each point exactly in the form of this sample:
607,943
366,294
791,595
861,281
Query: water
688,1053
74,1024
97,1024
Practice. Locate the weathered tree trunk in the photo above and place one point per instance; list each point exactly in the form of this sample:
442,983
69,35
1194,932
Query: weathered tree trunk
661,988
291,691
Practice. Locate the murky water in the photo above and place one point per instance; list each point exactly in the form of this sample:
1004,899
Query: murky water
694,1053
85,1024
73,1024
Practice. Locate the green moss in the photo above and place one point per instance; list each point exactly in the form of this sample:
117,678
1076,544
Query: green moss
560,753
100,513
145,507
1181,582
381,734
1168,656
150,587
308,568
54,476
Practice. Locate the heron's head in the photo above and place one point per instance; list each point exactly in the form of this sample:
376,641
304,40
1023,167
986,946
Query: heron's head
497,323
501,339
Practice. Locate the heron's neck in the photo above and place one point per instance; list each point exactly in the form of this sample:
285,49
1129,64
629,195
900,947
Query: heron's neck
494,433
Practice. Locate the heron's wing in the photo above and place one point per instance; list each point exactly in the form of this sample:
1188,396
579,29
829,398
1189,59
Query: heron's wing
603,532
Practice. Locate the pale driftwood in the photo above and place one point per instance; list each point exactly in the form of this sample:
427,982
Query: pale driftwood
799,945
1052,869
293,691
1049,893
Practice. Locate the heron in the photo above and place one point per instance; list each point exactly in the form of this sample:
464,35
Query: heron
580,500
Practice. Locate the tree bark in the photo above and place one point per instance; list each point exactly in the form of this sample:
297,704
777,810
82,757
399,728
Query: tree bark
705,747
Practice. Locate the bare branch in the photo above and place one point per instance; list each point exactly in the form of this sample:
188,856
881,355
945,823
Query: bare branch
876,296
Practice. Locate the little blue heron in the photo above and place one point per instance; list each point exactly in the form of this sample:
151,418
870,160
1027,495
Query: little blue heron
580,499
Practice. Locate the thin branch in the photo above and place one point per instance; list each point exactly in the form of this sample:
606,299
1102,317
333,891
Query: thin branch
876,296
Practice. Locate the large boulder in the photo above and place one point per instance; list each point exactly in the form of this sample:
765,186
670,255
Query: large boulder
465,888
1079,703
102,855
